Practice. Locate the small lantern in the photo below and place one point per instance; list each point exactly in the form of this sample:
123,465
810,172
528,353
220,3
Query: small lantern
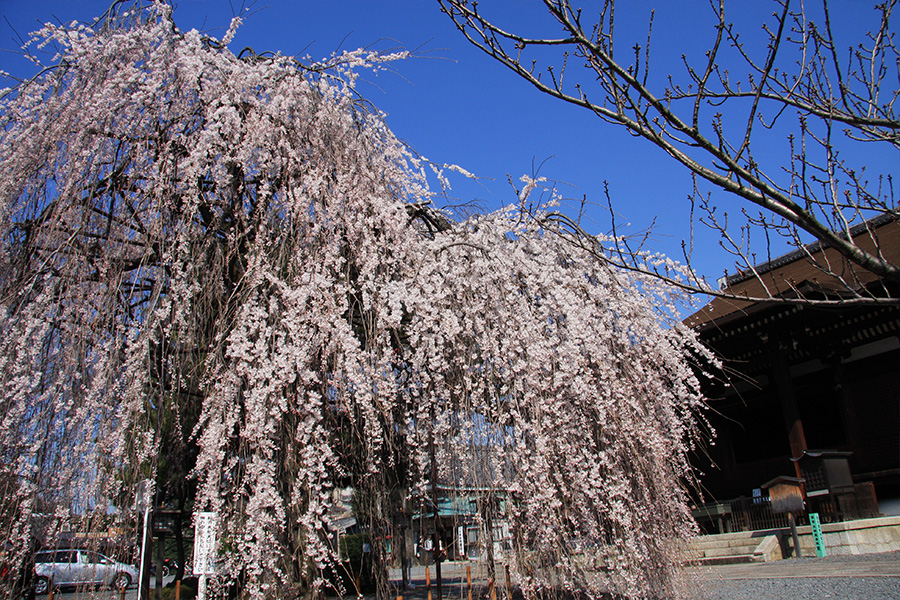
825,472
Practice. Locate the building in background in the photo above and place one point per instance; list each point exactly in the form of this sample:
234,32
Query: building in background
803,379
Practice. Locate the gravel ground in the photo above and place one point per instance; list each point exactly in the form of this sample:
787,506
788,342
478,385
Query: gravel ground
863,577
843,588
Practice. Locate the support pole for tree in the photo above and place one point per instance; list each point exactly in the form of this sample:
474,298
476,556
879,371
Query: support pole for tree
404,568
405,539
487,507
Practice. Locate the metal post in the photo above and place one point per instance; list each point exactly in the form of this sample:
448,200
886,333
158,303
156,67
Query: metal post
142,500
160,545
142,575
434,498
794,535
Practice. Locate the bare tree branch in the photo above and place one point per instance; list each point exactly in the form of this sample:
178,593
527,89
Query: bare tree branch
818,194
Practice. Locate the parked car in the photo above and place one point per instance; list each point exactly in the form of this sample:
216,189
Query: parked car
57,568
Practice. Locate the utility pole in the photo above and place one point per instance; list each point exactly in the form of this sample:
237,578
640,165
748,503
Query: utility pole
143,501
434,499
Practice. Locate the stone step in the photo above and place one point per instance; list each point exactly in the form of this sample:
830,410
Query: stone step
733,559
737,547
734,549
747,541
728,550
730,538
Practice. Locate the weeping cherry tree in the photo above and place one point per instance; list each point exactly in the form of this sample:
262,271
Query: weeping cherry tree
227,270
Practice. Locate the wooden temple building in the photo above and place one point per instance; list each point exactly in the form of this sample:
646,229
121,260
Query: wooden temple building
807,391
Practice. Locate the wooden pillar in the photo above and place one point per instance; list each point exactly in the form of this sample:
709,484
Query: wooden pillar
849,419
784,388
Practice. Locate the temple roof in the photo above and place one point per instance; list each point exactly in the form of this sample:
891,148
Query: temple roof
796,274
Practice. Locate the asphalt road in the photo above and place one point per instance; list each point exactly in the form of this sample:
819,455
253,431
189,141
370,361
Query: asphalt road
863,577
105,594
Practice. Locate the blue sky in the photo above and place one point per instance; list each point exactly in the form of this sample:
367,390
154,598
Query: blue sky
456,105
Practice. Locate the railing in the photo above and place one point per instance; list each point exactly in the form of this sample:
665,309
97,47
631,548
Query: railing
754,514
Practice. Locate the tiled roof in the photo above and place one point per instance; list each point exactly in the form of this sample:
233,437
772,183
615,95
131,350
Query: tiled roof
797,271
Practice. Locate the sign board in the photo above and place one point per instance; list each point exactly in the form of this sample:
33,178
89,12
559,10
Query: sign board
816,525
164,522
785,494
461,541
205,543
